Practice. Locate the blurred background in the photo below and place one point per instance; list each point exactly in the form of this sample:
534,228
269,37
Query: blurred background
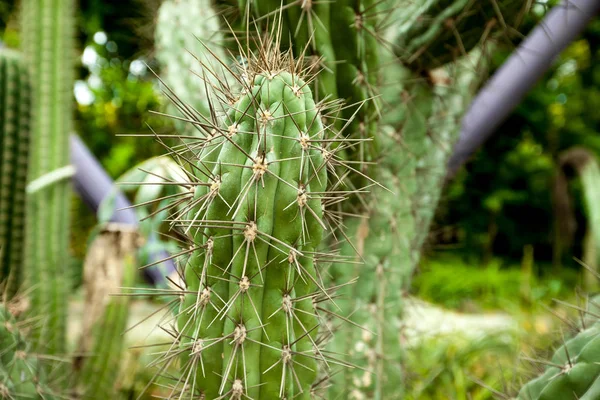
512,232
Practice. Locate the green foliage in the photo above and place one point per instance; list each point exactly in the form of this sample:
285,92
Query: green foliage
15,112
121,100
493,286
459,367
502,201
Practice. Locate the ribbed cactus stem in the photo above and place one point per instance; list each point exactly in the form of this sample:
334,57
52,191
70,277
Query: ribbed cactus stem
48,46
390,235
15,115
249,323
573,372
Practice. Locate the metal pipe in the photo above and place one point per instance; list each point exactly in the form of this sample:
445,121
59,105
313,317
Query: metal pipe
505,90
94,185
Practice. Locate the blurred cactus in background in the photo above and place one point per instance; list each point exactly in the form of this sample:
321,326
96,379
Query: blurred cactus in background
109,266
48,35
15,114
187,32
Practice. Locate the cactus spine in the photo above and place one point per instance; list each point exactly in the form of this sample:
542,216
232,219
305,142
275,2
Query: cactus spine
47,38
248,325
15,106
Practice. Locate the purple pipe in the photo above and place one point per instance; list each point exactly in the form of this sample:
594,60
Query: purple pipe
505,90
93,185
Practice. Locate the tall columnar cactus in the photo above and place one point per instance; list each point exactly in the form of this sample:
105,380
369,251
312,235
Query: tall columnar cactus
48,46
249,323
21,375
389,236
15,114
187,35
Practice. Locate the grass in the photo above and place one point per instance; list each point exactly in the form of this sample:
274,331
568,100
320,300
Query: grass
451,283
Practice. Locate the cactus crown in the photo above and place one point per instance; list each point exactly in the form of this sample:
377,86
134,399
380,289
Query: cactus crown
262,176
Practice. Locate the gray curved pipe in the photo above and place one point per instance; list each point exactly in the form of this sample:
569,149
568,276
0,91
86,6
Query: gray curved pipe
93,185
505,90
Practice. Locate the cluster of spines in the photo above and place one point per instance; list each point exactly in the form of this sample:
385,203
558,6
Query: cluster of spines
48,47
21,372
261,176
15,113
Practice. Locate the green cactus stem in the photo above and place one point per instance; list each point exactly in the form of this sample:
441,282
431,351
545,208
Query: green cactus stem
110,265
48,47
15,114
21,372
391,232
249,321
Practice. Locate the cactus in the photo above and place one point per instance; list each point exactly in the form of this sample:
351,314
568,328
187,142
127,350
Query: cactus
391,232
585,163
573,372
109,265
21,375
15,105
343,40
424,109
187,32
47,38
248,324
